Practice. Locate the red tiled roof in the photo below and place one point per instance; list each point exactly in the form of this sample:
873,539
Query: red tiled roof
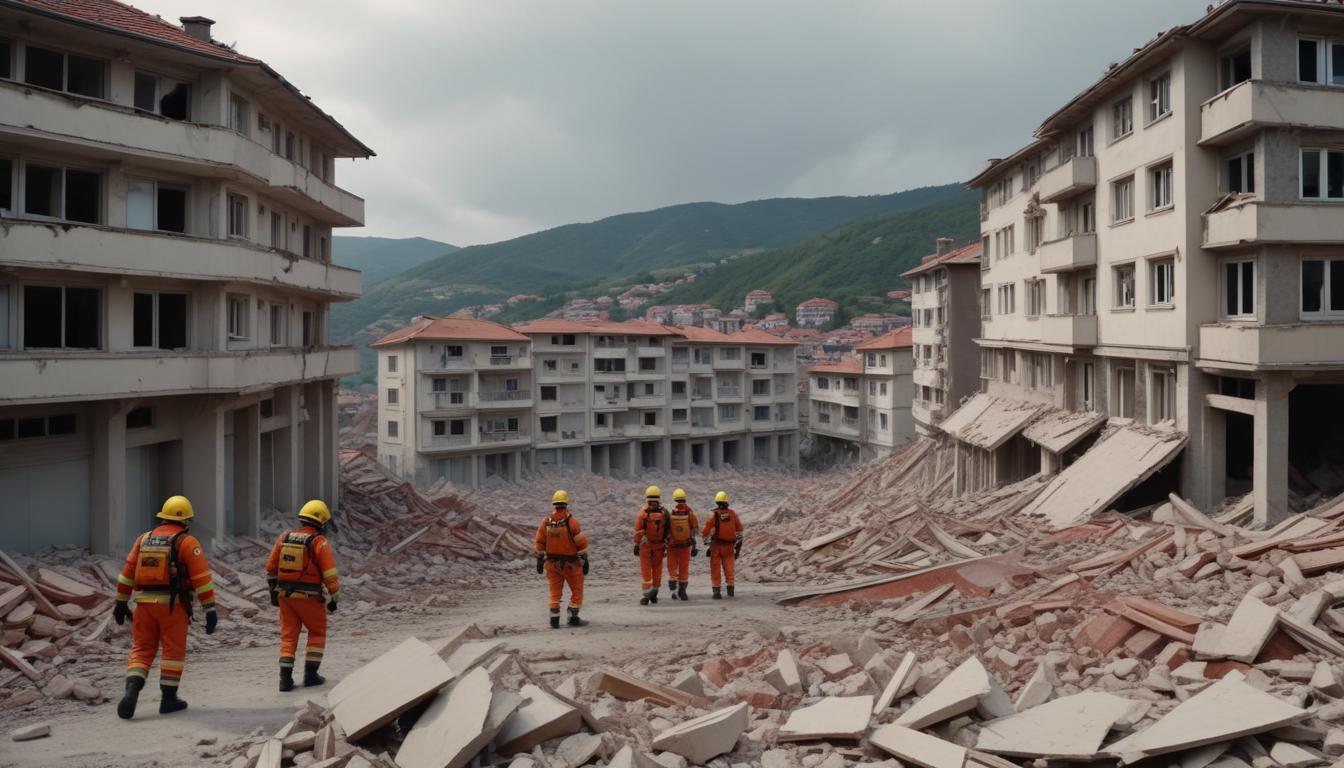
624,328
967,254
450,329
701,335
818,303
757,337
900,338
844,366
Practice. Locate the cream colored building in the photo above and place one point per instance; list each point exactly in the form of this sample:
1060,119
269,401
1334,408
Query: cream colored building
166,211
862,406
617,399
945,311
1162,255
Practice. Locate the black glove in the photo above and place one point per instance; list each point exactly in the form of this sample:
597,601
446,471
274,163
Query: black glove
211,621
584,559
636,550
541,563
737,549
709,548
121,611
331,606
275,598
694,549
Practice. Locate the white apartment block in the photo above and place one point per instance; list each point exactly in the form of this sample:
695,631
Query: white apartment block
471,400
944,310
863,406
166,209
1168,255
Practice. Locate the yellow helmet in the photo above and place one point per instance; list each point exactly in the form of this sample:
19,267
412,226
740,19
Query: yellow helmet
177,509
560,497
652,492
316,512
679,495
721,497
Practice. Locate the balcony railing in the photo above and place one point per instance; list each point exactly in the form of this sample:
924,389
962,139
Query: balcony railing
679,396
503,436
501,359
680,366
850,421
449,441
504,395
556,436
447,400
730,391
701,395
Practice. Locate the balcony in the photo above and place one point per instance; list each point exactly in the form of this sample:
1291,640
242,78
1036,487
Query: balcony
1068,253
1255,222
449,401
1069,330
88,248
547,375
650,351
680,366
647,430
501,398
608,403
644,374
496,437
500,362
613,351
560,436
600,433
730,392
564,404
447,442
702,426
1238,346
1078,174
57,376
679,396
647,401
187,148
926,412
927,377
701,395
682,427
734,364
1240,111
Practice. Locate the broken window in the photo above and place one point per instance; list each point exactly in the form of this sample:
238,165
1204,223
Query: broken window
1322,287
61,318
238,315
1234,68
1239,288
159,320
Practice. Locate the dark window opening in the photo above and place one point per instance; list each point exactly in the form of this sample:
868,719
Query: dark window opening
458,427
440,428
35,426
5,53
84,76
41,194
81,318
139,418
83,197
6,184
172,209
44,68
41,317
172,321
176,103
1306,61
267,408
6,429
1236,68
143,320
308,340
1313,279
61,424
146,88
1234,387
549,423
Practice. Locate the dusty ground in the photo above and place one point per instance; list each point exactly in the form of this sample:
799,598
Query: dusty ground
232,690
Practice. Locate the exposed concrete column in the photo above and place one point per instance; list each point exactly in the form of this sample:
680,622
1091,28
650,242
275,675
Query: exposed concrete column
1270,469
517,469
747,455
1051,462
716,453
203,467
665,454
316,471
330,434
246,470
1204,469
686,455
107,512
474,462
587,458
285,451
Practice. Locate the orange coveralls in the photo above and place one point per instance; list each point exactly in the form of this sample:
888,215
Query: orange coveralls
301,603
681,529
153,624
723,529
561,539
651,536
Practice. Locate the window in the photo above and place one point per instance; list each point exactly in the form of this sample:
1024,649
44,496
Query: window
1320,61
1239,289
64,72
392,394
1322,287
1085,148
549,393
240,115
1122,200
1035,294
4,316
440,427
1087,218
309,330
883,422
1124,286
63,193
1042,371
139,418
237,216
392,429
6,57
1123,396
1007,366
1322,174
729,412
151,205
1035,232
1087,294
1161,395
730,353
159,320
61,318
1234,68
391,363
6,186
650,418
822,382
1159,97
1241,174
1087,387
1007,299
1160,187
162,96
1122,118
457,427
289,145
279,329
986,309
1161,282
760,386
307,241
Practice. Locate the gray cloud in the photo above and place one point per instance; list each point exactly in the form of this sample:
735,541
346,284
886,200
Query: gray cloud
493,118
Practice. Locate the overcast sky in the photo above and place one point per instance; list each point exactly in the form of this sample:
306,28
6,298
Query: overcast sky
495,118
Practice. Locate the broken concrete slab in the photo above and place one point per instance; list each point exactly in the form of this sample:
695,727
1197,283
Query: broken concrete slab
707,736
1248,630
540,718
784,676
1069,728
469,654
918,748
835,717
272,754
628,688
31,732
687,682
577,749
902,681
459,723
1310,635
1290,755
629,757
1326,680
1226,710
445,646
381,690
1038,689
1208,641
969,686
836,666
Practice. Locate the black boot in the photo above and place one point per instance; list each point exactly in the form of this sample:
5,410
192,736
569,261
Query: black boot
672,590
574,620
730,590
717,596
645,596
311,678
126,707
170,702
653,595
555,618
286,679
681,590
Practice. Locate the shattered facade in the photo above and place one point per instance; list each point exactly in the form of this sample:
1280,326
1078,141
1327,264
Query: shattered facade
166,211
863,405
943,308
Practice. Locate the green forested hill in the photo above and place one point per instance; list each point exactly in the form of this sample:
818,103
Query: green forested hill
381,258
855,263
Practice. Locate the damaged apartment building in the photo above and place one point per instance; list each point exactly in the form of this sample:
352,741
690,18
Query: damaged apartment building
468,401
166,210
943,297
1162,276
861,407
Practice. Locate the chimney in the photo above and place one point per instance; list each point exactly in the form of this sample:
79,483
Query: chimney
944,245
197,26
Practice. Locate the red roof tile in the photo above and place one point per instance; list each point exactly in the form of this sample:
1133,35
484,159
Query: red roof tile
898,339
848,365
450,329
757,337
967,254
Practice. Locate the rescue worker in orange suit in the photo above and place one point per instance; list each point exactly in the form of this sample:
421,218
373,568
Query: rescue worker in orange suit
163,572
723,542
300,565
651,544
681,528
562,554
